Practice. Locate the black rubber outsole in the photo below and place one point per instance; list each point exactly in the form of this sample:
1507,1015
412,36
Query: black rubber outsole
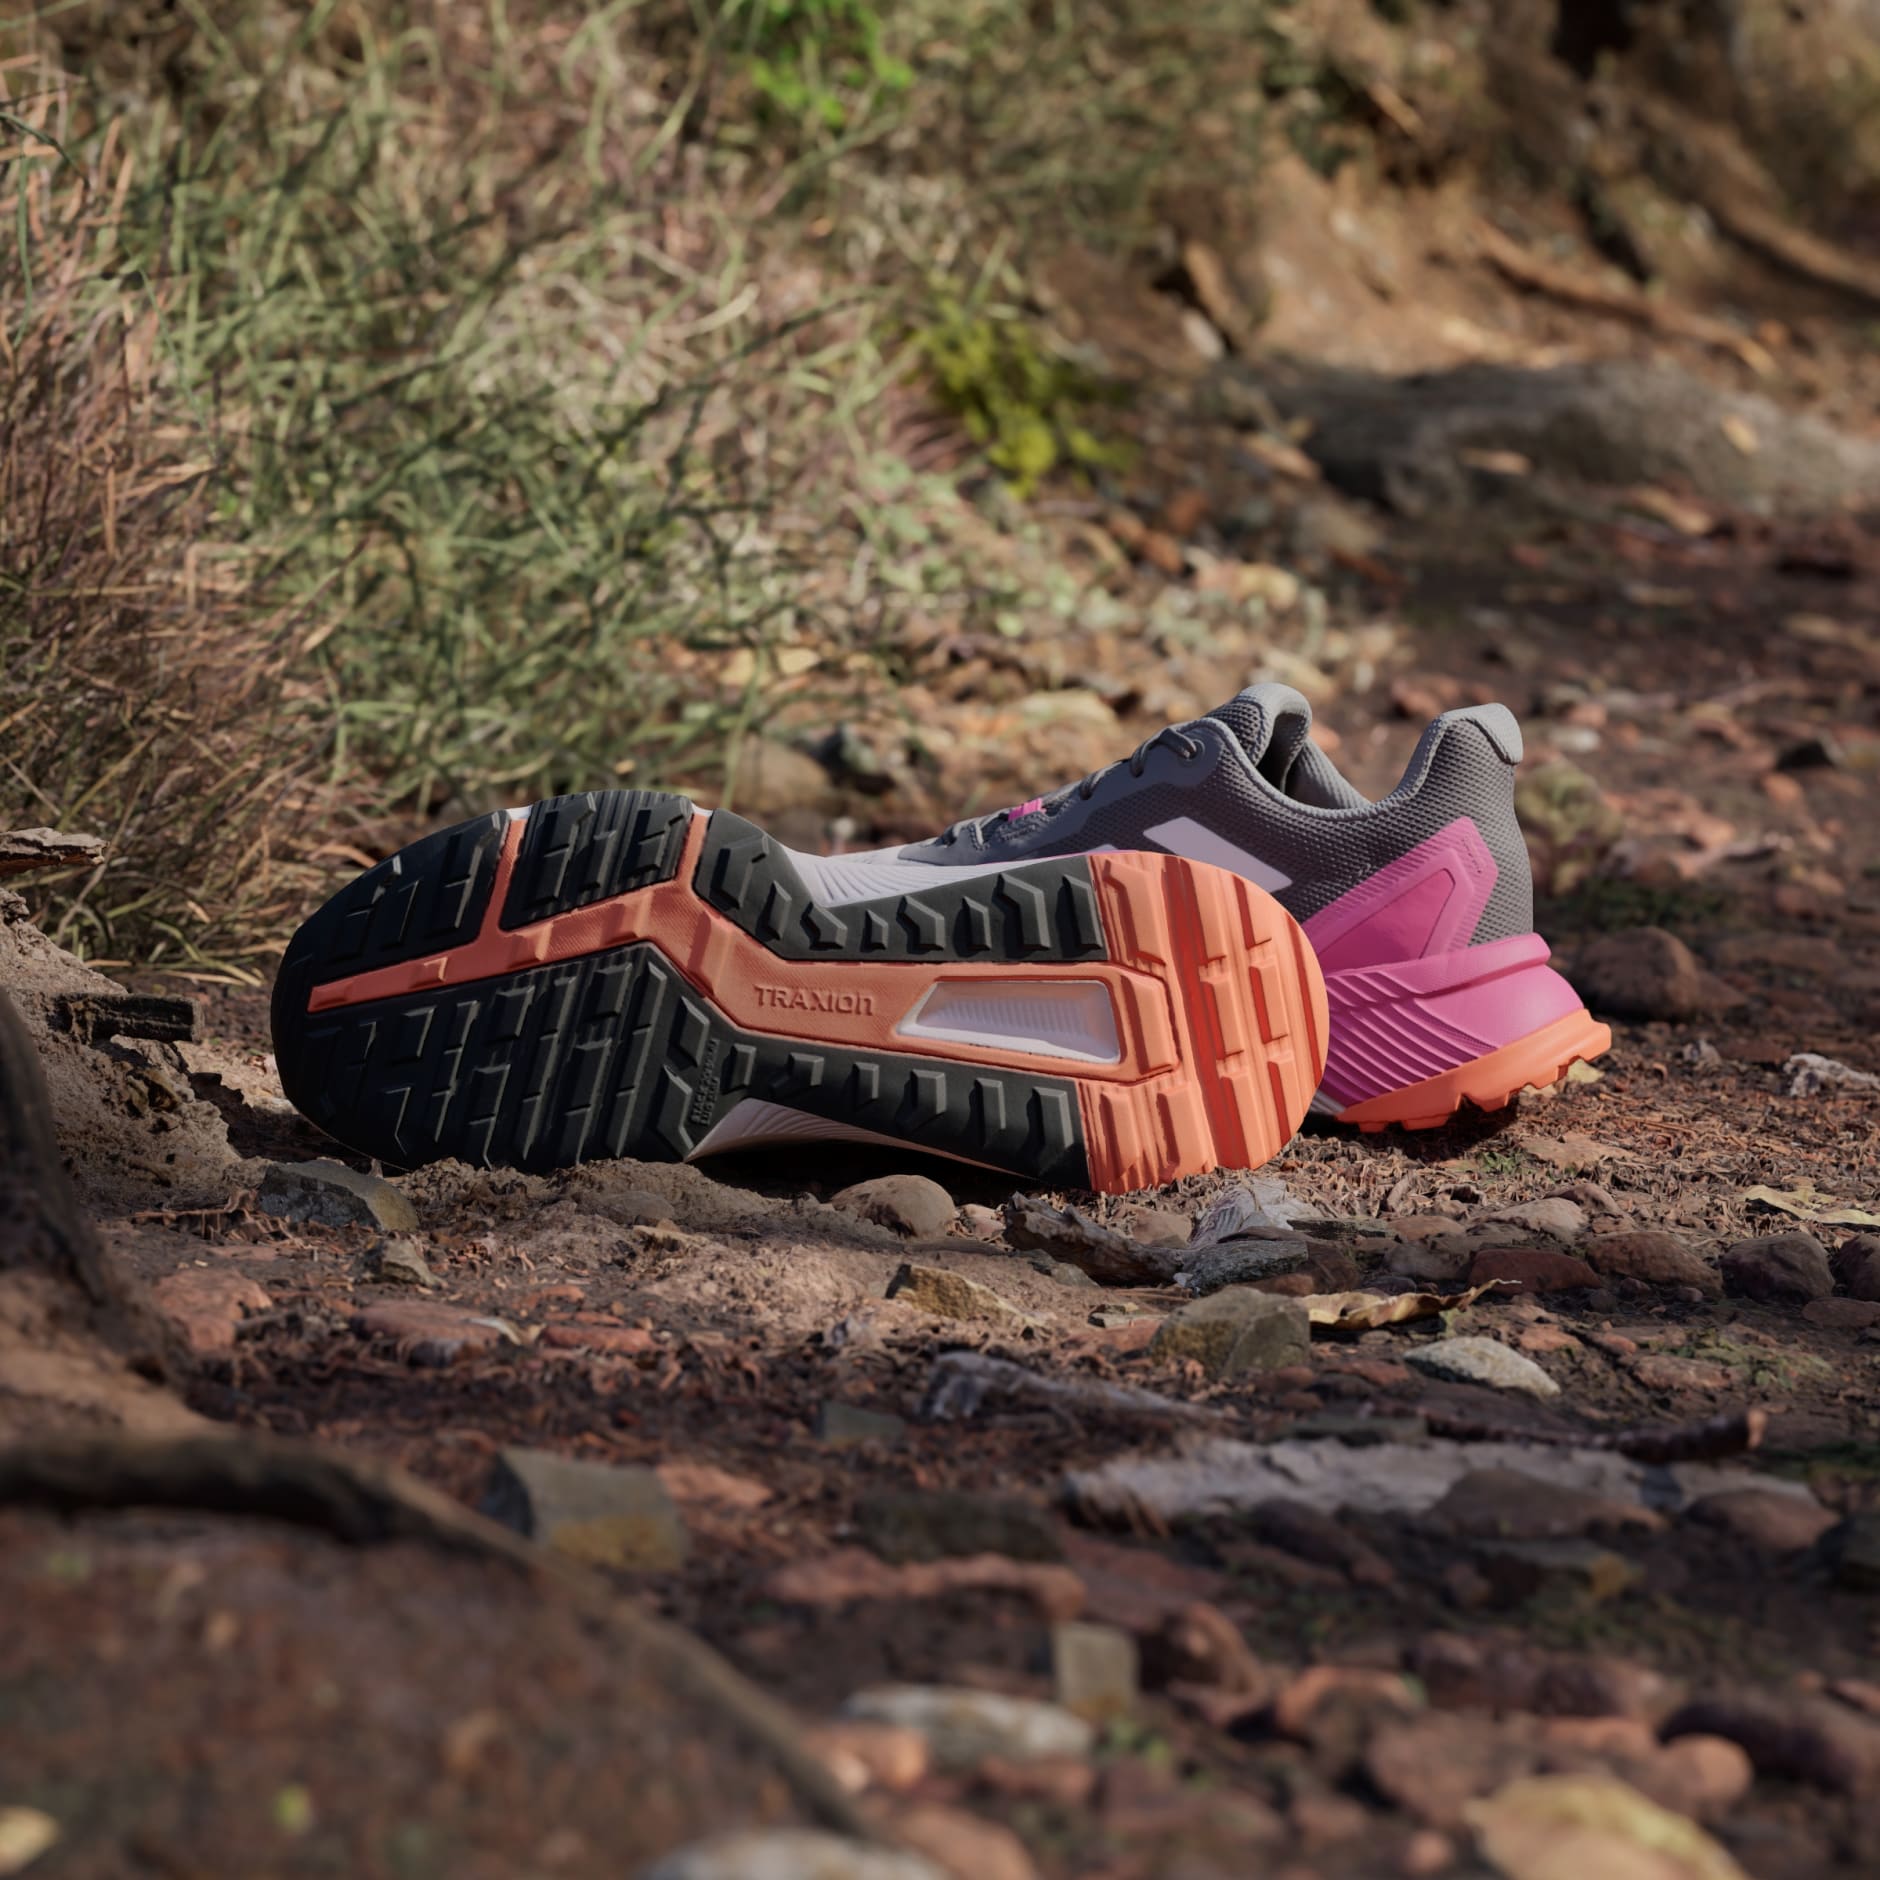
616,1053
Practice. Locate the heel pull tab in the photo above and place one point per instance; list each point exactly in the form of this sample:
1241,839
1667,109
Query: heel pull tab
1496,723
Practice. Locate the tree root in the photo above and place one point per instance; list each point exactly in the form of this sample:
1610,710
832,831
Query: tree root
364,1503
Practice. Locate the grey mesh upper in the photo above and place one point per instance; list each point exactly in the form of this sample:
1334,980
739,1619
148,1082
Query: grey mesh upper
1250,772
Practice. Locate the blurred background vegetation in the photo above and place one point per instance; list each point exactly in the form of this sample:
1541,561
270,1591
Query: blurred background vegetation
408,406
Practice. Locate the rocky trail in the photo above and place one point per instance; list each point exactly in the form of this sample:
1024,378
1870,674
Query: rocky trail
1417,1505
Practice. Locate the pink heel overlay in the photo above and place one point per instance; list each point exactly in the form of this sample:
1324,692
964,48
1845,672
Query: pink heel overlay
1427,901
1412,1020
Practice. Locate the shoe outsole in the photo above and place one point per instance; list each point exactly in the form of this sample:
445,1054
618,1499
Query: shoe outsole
1490,1082
616,973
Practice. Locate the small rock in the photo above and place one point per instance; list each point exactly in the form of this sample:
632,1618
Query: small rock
1433,1766
1153,1227
1094,1669
791,1854
1652,1257
1504,1504
1481,1361
845,1425
1556,1217
1519,1570
1790,1735
774,777
1436,1260
1769,1518
965,1845
1124,1314
905,1204
1647,973
399,1263
1843,1315
1064,1273
954,1296
981,1223
937,1524
1659,1371
1856,1265
600,1336
1592,1824
1851,1549
1778,1269
962,1726
1235,1331
429,1333
1701,1775
1533,1269
334,1196
1542,1341
1321,1538
206,1305
870,1755
606,1514
1503,1674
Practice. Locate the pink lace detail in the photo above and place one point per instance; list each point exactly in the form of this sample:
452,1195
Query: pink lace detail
1029,807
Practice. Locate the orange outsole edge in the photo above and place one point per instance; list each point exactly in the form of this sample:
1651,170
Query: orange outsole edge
1489,1082
1220,1004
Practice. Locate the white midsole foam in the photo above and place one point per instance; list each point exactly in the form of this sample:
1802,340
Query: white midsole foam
1057,1018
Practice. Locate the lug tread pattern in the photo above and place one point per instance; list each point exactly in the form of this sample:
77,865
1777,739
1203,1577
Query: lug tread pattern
616,1054
1041,911
577,850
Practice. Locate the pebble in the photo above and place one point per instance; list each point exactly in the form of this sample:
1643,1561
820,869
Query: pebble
1581,1569
1790,1735
1064,1273
870,1755
905,1204
1235,1331
1502,1673
981,1223
954,1296
938,1524
604,1514
399,1263
1152,1227
1652,1257
1856,1265
1505,1504
966,1846
1556,1217
430,1333
1095,1672
334,1196
791,1854
205,1305
1441,1260
1843,1315
1481,1361
602,1337
1658,1371
1533,1269
1787,1268
1646,973
1314,1535
845,1425
962,1726
1241,1263
1769,1518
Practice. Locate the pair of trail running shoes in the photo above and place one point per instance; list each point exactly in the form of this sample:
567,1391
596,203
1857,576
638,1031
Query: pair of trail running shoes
1147,974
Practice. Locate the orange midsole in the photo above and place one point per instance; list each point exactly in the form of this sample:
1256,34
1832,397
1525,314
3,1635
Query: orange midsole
1489,1081
1221,1011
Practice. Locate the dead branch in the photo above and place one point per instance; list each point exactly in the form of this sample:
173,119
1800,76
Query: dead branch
1732,1433
1110,1258
1581,290
24,849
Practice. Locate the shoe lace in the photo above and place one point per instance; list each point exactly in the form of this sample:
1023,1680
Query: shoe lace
1170,737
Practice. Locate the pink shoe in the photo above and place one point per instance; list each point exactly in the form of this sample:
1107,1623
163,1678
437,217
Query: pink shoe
1420,906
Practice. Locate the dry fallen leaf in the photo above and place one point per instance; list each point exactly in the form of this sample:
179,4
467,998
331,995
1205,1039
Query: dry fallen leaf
852,1573
25,1834
1806,1203
1572,1150
1366,1311
703,1481
1741,433
1575,1827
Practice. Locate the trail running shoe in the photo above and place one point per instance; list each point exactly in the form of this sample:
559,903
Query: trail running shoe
623,974
1420,906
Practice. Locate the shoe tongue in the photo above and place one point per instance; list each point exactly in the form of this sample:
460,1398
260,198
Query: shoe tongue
1272,722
